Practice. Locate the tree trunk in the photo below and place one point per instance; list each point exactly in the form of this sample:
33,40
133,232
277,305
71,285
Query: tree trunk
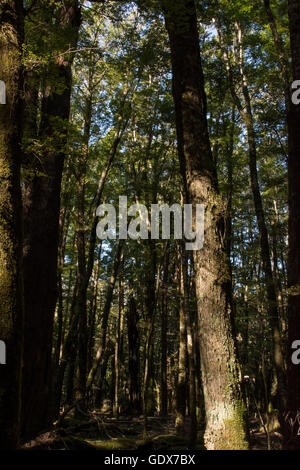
220,372
181,389
190,352
133,359
93,311
164,340
83,275
247,116
119,338
97,366
151,306
11,283
264,240
41,228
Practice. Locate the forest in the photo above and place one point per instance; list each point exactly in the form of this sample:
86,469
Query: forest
150,225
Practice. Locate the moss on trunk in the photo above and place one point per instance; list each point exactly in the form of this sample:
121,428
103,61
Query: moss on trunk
219,367
11,292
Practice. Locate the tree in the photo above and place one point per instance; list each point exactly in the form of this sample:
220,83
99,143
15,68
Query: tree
246,113
223,402
41,223
133,359
11,279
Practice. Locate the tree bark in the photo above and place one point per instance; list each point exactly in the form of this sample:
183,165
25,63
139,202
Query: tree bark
41,228
220,372
11,282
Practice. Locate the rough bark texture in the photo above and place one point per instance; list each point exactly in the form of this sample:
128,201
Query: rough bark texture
223,404
292,436
41,227
11,291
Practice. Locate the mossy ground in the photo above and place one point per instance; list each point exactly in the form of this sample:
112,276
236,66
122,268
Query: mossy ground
108,434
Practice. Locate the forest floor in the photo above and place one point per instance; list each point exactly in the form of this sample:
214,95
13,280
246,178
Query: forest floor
259,439
104,432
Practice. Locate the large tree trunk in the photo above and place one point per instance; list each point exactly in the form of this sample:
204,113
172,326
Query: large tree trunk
223,403
41,227
11,288
292,436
